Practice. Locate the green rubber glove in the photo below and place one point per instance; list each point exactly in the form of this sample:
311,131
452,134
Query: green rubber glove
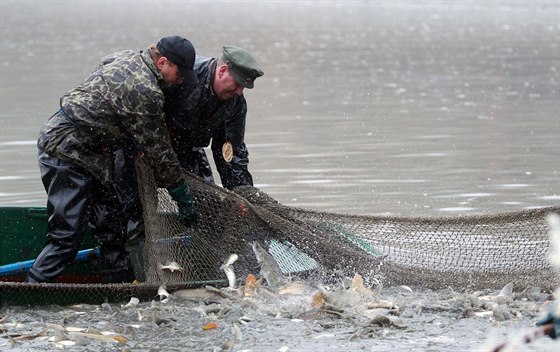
188,214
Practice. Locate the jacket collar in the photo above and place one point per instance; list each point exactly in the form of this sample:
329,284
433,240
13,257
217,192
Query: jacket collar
147,58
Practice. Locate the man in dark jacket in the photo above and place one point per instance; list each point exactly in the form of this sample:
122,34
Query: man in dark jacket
214,112
121,100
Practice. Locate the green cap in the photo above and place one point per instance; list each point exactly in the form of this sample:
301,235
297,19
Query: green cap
242,65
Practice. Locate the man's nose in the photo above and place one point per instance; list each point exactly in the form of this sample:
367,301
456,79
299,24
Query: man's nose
239,90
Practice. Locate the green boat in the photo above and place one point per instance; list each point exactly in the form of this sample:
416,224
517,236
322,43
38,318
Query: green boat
23,236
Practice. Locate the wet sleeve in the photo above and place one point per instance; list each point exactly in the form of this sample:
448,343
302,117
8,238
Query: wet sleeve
145,124
180,104
236,172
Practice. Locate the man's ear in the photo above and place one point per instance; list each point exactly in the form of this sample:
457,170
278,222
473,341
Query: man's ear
161,62
222,69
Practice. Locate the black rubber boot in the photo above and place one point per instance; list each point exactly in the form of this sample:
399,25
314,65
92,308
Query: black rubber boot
125,187
118,275
69,191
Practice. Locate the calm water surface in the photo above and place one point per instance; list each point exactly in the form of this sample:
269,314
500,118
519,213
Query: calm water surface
420,108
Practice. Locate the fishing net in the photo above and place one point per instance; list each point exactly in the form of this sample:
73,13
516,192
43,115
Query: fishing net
465,252
474,252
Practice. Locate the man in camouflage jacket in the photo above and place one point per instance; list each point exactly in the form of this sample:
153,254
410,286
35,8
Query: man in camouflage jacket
122,99
213,112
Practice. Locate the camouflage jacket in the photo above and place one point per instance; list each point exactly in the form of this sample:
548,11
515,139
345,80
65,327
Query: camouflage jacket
196,116
122,98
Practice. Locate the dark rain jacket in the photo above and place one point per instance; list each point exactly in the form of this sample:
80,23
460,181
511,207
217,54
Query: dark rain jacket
121,99
197,117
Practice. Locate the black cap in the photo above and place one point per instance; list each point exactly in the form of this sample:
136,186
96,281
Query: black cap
181,52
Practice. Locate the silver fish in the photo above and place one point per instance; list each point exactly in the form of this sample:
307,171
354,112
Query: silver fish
270,270
132,303
297,288
163,294
227,268
237,336
196,294
505,295
171,266
507,290
104,337
68,336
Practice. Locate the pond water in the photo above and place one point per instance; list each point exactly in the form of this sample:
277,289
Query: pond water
403,108
412,108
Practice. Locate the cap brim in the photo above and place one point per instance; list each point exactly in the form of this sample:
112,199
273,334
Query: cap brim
188,75
241,80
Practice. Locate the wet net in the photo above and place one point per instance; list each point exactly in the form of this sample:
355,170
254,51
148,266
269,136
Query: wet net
474,252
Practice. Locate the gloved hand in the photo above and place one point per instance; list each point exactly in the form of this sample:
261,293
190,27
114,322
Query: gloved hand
188,214
551,318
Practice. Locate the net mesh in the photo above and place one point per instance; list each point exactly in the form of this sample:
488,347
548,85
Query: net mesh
474,252
464,252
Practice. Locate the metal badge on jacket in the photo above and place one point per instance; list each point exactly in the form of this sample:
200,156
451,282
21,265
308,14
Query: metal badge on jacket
227,152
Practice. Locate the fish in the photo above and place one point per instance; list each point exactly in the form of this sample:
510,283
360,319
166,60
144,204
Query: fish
406,288
54,326
26,337
210,326
381,304
237,337
483,314
171,266
357,283
318,313
164,296
386,321
505,295
158,320
103,337
59,335
231,259
297,288
270,270
218,309
227,268
132,303
196,294
251,285
245,319
318,299
14,325
365,293
69,336
507,290
64,343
